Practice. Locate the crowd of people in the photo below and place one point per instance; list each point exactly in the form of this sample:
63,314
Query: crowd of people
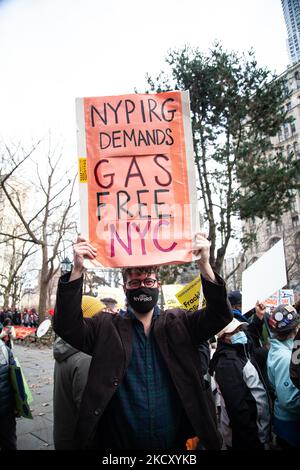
26,317
143,378
148,379
258,401
11,317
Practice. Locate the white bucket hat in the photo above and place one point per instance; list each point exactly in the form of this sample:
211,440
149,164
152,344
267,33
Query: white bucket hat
233,325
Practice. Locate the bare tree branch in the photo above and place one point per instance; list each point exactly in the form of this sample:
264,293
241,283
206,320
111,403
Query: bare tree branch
18,237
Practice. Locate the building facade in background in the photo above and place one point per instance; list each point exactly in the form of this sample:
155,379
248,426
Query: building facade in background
286,227
291,12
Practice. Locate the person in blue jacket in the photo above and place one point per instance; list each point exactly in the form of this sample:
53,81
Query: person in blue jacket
284,324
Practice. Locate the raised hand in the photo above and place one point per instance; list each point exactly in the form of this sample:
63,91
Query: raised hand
201,247
260,309
81,249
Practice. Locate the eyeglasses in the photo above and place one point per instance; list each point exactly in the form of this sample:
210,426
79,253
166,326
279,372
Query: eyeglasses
136,283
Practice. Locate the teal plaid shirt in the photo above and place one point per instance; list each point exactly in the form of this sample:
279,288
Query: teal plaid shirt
145,412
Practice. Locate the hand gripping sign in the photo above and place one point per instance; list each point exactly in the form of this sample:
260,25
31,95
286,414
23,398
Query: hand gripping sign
138,203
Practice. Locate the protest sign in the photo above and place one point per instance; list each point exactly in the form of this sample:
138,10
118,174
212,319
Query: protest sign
286,297
264,277
282,296
138,203
273,300
191,296
169,293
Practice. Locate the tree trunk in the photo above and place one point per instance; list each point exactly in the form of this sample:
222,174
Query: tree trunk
42,301
16,293
221,254
6,299
212,237
43,286
220,259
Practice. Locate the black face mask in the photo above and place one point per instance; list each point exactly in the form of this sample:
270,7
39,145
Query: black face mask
143,299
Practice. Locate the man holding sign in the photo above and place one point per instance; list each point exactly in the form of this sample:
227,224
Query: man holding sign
145,388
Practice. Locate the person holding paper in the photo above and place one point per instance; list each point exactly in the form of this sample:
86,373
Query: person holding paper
145,388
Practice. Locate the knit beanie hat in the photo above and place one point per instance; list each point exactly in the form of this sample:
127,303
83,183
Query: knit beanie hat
90,306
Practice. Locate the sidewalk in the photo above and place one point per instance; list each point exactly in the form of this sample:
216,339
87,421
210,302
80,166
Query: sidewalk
37,365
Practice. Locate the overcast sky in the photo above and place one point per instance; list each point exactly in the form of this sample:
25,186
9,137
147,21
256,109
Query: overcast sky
53,51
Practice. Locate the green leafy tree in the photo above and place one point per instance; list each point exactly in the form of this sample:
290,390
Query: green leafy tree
236,107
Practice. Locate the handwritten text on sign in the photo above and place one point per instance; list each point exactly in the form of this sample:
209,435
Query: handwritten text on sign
138,196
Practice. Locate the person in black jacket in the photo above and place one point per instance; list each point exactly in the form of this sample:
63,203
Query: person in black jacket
145,388
245,419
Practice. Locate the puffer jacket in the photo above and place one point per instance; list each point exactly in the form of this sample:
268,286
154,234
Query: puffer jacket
287,402
6,393
245,403
286,422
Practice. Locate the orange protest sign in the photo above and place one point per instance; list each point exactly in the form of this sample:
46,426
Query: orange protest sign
137,179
